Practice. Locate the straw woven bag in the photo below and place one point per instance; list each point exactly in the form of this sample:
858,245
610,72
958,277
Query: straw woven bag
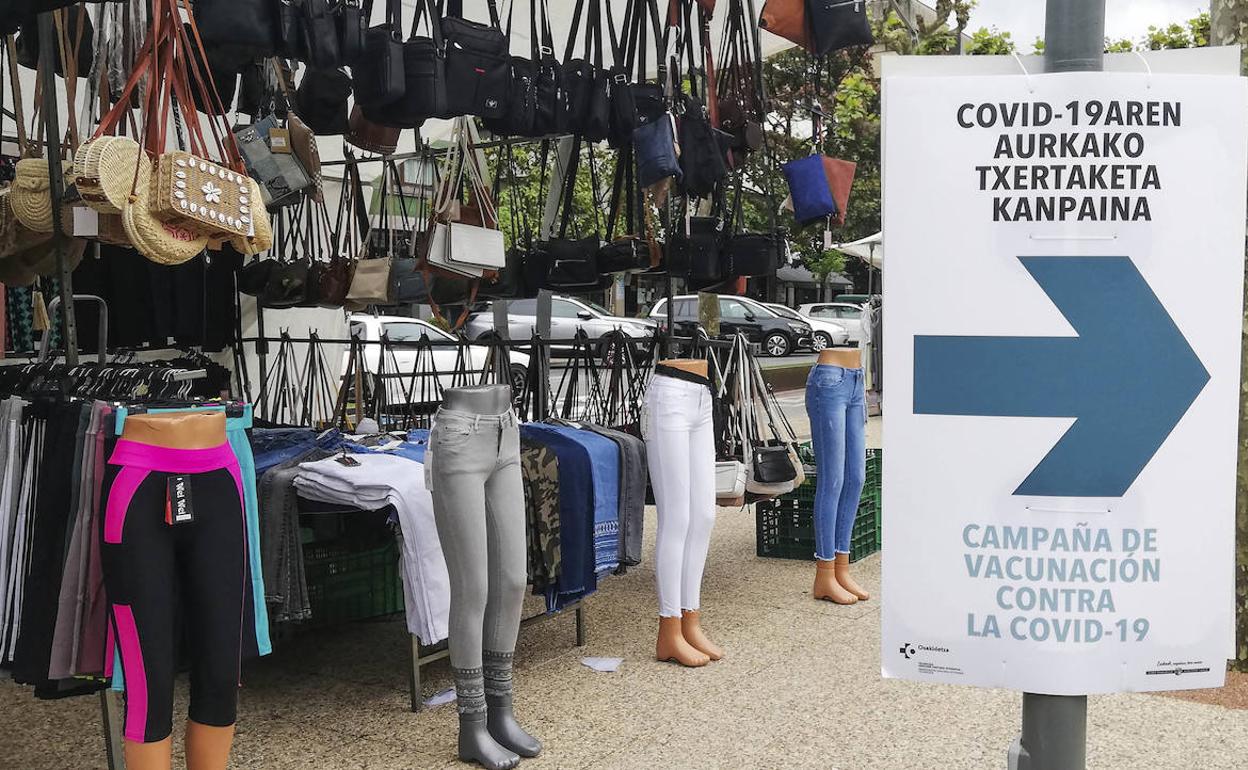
159,241
104,171
31,198
261,238
200,195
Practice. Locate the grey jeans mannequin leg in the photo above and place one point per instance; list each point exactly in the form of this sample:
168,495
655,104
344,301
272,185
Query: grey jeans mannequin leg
478,504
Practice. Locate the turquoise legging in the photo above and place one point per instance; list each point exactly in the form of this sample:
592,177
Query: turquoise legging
236,430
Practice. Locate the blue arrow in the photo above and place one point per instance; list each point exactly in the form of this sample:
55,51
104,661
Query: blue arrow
1128,377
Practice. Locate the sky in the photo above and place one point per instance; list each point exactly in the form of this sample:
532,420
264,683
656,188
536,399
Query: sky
1024,19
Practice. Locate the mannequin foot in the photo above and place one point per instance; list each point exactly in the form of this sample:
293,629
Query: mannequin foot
847,582
507,732
672,645
502,724
477,745
691,629
826,586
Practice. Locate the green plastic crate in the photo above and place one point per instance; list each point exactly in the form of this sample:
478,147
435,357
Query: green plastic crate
348,583
785,527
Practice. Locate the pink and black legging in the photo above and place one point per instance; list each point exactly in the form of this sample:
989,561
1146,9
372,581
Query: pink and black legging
165,577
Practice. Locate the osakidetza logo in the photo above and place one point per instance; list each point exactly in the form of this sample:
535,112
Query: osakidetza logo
909,650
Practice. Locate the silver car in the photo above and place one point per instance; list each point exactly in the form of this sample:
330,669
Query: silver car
842,313
568,315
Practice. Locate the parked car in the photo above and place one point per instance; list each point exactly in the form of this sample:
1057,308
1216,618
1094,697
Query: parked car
843,313
568,315
852,299
778,336
400,329
826,334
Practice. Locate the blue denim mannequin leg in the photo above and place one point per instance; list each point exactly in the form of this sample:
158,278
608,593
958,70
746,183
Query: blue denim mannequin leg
836,405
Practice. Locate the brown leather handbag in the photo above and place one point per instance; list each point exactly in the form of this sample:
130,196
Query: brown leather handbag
370,136
787,18
840,181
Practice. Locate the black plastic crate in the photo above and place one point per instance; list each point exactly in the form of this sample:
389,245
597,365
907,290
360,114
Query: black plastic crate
786,525
348,583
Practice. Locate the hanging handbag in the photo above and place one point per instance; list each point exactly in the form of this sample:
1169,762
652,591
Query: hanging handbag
621,104
466,238
840,175
837,24
703,147
321,101
319,27
808,184
654,145
282,177
787,19
378,76
518,119
586,84
254,276
76,41
370,136
572,263
352,27
478,64
751,254
772,470
550,108
424,90
698,251
249,23
289,39
730,470
739,95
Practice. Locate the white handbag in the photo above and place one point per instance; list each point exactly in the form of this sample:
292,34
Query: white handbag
459,247
440,249
730,474
729,479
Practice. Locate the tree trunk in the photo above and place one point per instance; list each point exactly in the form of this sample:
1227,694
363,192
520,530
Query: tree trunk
1230,27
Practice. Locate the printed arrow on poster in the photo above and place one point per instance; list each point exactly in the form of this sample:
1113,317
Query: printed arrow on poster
1127,378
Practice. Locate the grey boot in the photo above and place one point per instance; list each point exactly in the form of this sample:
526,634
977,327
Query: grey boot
475,743
502,719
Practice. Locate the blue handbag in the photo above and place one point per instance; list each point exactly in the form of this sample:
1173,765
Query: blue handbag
808,184
654,144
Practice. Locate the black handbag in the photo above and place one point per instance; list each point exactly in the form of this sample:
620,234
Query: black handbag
352,26
424,76
289,39
698,252
571,262
378,77
772,463
254,276
248,23
631,252
520,117
837,24
621,107
321,101
752,254
649,97
78,30
478,64
701,150
319,27
580,76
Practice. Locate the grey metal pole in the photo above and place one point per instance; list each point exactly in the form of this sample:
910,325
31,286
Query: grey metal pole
1055,727
52,127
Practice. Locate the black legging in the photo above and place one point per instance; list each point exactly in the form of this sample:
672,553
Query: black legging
159,574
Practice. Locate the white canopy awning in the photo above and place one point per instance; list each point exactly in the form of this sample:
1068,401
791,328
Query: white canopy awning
869,249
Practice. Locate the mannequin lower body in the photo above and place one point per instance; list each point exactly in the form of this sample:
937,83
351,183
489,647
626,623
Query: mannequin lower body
680,451
836,404
473,470
174,543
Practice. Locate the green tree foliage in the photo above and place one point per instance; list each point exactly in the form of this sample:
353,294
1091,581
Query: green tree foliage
1194,33
990,42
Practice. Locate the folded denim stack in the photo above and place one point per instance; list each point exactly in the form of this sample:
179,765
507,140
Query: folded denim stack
376,480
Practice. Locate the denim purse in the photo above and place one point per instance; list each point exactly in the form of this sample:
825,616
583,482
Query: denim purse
808,183
655,146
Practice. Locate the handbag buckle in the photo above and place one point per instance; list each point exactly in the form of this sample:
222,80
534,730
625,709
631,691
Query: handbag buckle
620,77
